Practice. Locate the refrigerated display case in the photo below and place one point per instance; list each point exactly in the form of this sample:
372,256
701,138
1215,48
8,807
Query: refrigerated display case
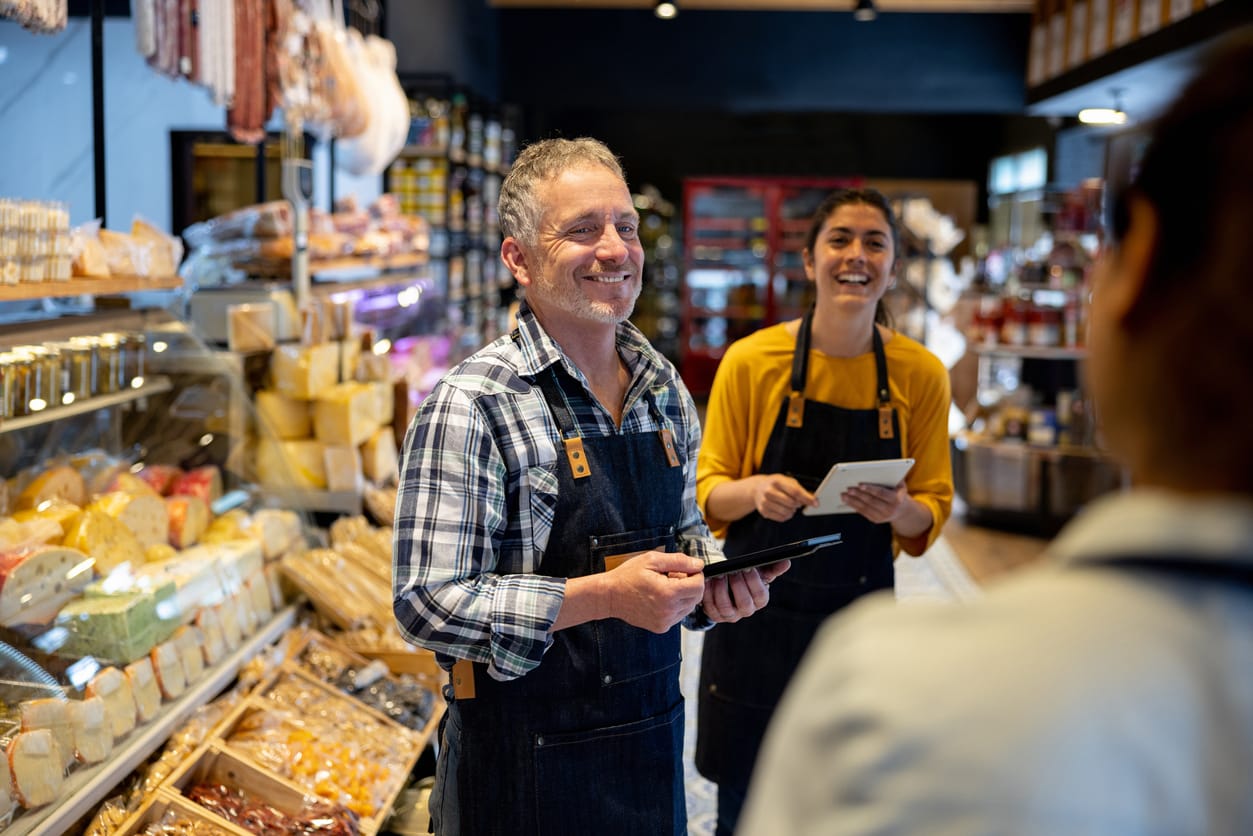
743,238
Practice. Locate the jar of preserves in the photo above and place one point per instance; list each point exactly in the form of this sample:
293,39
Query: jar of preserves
108,364
44,386
17,372
76,370
90,346
134,358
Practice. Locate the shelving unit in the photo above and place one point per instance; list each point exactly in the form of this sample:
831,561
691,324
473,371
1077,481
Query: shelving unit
743,239
87,787
151,386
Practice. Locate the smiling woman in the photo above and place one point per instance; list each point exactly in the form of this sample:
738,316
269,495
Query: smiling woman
788,402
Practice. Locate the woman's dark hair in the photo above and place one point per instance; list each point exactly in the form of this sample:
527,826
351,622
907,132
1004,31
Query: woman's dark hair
868,197
1193,321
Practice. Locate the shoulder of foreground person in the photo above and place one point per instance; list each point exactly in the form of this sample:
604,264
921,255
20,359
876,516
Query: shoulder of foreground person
1065,699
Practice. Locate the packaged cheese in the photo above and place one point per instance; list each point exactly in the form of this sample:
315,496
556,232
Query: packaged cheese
344,414
144,514
36,583
277,529
93,738
302,372
196,580
8,804
35,766
119,249
286,417
144,686
54,715
156,254
234,561
384,401
112,686
228,617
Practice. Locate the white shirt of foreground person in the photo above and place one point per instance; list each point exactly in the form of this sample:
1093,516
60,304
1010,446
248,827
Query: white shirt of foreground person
1073,698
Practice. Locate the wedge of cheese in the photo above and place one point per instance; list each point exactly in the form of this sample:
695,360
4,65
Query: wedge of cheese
107,540
35,584
60,511
228,616
379,459
54,715
62,482
35,765
291,464
93,739
144,686
277,529
144,514
167,664
343,468
112,686
286,417
345,414
204,482
384,400
349,358
213,643
259,592
303,371
189,519
159,476
188,641
8,804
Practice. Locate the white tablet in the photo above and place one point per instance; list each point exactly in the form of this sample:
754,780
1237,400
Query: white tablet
844,475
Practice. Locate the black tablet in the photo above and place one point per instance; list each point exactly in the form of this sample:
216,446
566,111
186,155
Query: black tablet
786,551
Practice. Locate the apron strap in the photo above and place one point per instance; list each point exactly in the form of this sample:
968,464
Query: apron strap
571,440
663,431
886,429
800,371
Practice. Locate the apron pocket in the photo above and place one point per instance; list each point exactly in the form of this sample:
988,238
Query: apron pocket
625,779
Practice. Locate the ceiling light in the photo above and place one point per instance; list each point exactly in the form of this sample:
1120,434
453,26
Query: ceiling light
865,11
1102,116
666,10
1105,115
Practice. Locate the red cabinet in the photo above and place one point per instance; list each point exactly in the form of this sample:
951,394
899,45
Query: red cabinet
743,238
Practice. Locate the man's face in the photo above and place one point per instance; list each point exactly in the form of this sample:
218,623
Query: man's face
588,263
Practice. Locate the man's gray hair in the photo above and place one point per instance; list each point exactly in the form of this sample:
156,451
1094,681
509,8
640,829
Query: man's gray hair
518,209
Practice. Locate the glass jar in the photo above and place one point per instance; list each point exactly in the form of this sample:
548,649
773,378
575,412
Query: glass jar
132,346
76,361
16,383
91,347
44,388
108,364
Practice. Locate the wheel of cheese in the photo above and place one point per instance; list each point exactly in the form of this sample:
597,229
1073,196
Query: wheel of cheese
93,739
144,686
35,766
62,482
53,715
144,514
112,686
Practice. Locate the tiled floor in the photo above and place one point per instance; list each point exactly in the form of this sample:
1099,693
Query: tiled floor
963,558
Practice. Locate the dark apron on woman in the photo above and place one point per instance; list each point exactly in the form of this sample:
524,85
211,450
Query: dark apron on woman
746,665
590,741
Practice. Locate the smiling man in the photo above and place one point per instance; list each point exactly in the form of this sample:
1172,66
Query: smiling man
547,541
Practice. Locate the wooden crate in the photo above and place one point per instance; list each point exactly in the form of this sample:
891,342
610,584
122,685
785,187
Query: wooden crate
164,802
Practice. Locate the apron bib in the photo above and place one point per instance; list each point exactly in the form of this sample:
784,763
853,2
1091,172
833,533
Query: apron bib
745,666
590,740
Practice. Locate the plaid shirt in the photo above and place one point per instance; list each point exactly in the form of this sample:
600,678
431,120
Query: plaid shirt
478,492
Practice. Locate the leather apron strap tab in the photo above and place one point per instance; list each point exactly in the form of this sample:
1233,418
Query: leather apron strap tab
462,678
800,370
886,427
577,459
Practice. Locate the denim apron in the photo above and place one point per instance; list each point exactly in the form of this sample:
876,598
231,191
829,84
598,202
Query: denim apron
590,741
745,665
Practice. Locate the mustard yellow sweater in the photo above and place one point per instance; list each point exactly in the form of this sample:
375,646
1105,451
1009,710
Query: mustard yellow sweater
753,380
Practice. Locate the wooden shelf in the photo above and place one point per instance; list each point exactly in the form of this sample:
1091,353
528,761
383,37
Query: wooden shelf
112,286
152,386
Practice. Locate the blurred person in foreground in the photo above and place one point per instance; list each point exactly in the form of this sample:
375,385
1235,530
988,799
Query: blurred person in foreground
547,539
1109,690
788,402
